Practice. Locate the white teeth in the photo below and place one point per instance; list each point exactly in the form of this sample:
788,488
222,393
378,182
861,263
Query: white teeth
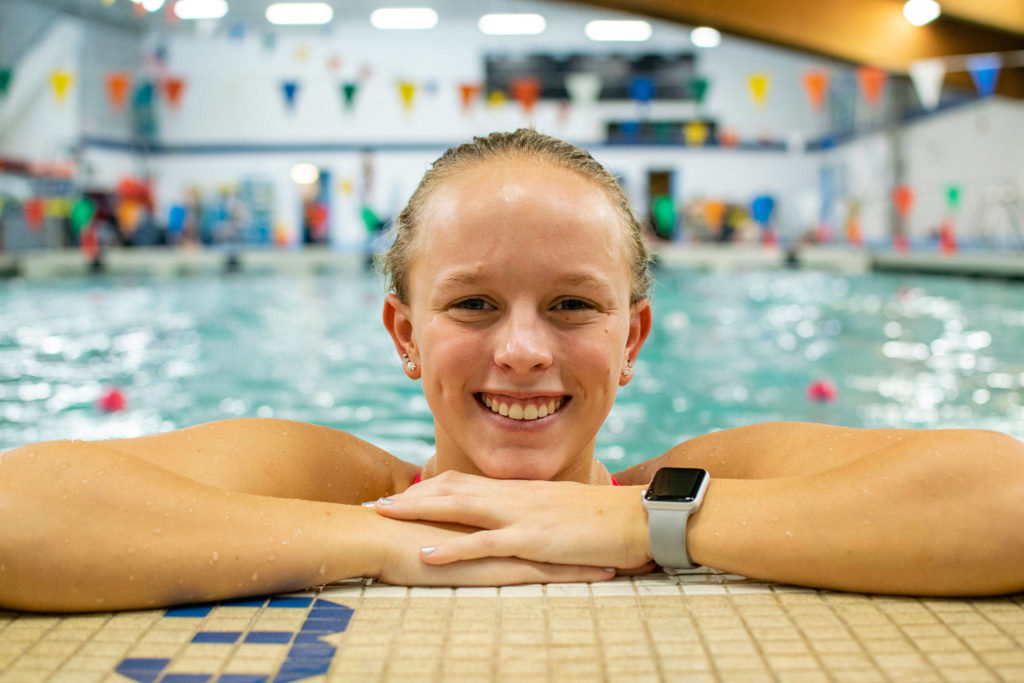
518,411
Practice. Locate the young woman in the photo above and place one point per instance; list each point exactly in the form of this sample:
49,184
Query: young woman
519,299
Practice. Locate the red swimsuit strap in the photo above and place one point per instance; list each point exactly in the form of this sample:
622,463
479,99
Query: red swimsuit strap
419,478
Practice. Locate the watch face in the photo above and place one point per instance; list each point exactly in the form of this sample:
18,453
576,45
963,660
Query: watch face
676,485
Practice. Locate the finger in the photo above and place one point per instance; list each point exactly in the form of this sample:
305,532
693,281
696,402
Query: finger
512,571
457,509
474,546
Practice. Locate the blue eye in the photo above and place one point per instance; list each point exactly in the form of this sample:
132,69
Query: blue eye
573,305
473,304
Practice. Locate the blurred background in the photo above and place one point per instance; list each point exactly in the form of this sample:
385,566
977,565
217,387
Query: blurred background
190,191
204,122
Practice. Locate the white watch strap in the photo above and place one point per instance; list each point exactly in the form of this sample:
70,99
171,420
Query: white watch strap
668,538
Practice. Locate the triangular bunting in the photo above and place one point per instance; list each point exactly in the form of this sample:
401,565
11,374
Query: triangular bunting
526,90
469,92
407,91
758,85
583,88
60,81
927,76
173,89
699,89
816,86
5,79
985,72
290,89
871,82
118,83
348,94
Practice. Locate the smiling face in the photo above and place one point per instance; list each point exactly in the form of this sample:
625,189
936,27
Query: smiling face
518,318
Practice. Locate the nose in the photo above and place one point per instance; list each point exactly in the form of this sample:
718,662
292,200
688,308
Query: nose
522,344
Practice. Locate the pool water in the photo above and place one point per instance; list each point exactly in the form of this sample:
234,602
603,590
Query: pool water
726,350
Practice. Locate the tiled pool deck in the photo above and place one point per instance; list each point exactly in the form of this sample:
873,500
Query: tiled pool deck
703,626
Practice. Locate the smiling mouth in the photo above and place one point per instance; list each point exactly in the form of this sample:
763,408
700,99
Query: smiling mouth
522,409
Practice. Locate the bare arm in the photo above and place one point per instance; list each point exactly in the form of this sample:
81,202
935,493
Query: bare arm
918,512
212,512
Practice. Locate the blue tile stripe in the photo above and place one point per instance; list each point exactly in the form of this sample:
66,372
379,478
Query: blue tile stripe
275,637
216,637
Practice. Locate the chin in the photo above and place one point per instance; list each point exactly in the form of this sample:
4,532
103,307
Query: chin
522,466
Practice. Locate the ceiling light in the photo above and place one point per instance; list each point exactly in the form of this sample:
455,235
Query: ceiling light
618,30
705,36
152,5
512,24
404,18
305,174
920,12
200,9
299,13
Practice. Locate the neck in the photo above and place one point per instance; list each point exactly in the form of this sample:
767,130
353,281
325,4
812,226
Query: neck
591,471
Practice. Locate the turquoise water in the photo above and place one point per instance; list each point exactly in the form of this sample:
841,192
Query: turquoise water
726,350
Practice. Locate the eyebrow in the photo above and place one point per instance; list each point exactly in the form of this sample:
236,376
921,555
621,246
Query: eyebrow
571,279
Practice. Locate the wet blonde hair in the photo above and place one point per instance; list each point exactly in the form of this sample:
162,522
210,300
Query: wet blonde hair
524,143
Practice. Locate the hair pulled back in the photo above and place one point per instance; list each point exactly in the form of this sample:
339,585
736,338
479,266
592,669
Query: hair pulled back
528,144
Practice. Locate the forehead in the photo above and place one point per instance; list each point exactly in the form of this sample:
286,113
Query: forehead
520,202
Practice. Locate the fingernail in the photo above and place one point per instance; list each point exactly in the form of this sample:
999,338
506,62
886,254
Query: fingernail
610,570
370,504
427,549
385,501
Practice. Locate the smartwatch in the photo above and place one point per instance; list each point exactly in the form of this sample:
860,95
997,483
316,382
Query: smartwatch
672,495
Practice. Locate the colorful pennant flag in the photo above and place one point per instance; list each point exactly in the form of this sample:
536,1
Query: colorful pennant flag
35,213
82,213
118,83
496,98
758,85
699,89
871,82
348,94
526,90
6,74
173,89
269,41
641,89
583,88
290,89
927,76
469,92
984,71
334,63
816,86
903,199
60,81
696,134
57,207
143,96
407,91
953,198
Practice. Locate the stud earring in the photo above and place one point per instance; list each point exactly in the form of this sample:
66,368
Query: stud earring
628,370
408,363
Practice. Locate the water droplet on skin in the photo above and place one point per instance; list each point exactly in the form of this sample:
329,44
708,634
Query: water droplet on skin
214,557
156,531
272,558
322,570
255,576
131,577
789,533
131,550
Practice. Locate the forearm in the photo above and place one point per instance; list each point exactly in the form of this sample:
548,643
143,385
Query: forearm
83,527
938,514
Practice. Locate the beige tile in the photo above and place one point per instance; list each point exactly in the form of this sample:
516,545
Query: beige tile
841,661
795,661
968,675
461,667
193,664
347,667
246,665
77,677
858,676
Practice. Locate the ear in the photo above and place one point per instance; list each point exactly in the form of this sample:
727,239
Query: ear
398,322
639,328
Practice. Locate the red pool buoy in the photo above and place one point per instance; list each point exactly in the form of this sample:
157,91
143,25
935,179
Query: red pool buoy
111,401
822,391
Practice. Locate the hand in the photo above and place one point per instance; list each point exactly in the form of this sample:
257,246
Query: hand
553,522
401,562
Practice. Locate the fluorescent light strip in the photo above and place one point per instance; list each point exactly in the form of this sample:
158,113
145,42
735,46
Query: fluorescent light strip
200,9
921,12
630,30
299,13
512,24
404,18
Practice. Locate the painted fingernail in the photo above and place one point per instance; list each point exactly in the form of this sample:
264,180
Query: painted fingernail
385,501
610,570
370,504
427,549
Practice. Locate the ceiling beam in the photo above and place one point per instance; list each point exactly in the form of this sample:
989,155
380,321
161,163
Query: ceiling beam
870,32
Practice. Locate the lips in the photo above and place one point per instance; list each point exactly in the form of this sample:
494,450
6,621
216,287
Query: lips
520,408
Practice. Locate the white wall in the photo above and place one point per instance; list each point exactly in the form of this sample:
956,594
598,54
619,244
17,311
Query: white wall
978,147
